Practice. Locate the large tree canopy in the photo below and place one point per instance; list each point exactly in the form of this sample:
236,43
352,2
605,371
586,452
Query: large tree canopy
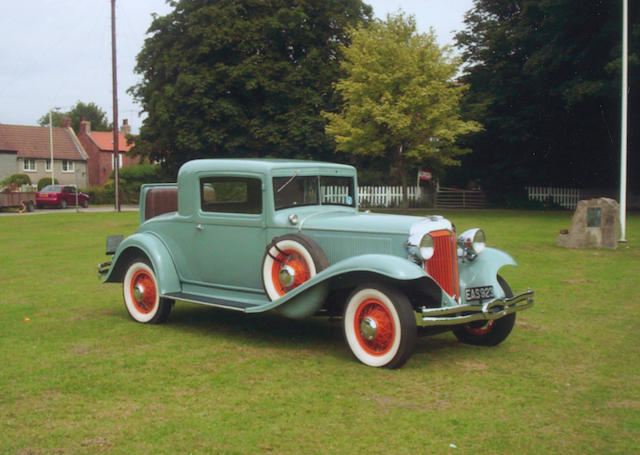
545,83
87,111
227,78
401,102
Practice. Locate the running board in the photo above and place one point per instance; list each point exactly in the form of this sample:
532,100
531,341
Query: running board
219,302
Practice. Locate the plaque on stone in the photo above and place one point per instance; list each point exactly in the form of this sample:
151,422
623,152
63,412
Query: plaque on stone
595,224
594,217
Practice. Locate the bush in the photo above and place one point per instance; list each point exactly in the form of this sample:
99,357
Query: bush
44,181
99,195
131,178
17,179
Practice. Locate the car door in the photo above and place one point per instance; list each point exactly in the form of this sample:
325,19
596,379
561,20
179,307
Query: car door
69,195
228,234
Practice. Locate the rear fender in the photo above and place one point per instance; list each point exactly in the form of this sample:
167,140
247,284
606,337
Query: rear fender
154,249
306,299
483,271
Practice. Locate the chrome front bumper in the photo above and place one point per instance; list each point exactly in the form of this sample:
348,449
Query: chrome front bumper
464,314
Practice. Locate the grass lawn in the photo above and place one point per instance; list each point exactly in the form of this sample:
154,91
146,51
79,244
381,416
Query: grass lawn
78,376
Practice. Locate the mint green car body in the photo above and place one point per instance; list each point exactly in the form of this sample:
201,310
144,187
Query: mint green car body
217,258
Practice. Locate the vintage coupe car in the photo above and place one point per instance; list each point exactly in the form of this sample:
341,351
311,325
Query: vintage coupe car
257,235
61,196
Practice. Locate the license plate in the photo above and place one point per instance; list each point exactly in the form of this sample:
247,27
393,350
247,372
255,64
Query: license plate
479,293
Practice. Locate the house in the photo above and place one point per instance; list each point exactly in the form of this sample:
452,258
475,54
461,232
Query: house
27,150
99,148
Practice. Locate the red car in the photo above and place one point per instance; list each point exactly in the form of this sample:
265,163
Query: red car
61,196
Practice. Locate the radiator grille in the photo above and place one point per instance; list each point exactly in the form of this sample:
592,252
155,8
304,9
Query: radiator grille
443,265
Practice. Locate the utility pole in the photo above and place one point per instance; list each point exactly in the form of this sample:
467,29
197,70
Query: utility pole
623,133
51,142
116,147
51,146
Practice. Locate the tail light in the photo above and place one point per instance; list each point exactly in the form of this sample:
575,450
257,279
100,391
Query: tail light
443,265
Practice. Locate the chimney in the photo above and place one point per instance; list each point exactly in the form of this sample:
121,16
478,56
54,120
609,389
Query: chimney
85,127
66,122
125,128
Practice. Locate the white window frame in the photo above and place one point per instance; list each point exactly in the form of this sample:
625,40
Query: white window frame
26,165
68,166
119,161
47,165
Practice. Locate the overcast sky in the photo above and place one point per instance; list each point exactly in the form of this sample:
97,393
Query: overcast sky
54,53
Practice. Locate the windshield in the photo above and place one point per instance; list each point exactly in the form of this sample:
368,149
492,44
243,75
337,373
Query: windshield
51,189
297,190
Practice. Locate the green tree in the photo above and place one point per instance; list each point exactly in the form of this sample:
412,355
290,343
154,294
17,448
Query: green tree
545,83
227,78
401,102
88,111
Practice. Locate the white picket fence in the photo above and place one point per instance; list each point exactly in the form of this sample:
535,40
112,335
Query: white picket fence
372,196
566,197
335,194
386,196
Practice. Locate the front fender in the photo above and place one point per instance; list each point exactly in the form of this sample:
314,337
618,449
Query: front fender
308,298
483,271
153,248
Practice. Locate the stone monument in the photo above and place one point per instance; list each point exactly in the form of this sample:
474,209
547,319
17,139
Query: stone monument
595,224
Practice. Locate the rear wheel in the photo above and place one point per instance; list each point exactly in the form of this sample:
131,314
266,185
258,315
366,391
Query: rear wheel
488,333
63,204
141,295
85,203
380,326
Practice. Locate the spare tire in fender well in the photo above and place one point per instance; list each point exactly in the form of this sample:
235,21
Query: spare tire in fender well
290,260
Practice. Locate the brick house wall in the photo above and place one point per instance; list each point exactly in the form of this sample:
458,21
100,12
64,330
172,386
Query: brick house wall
99,147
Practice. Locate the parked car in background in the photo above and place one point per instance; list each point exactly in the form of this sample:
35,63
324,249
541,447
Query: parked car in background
259,235
61,196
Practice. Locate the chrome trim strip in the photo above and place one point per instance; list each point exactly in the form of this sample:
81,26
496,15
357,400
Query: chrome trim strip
321,212
464,314
211,304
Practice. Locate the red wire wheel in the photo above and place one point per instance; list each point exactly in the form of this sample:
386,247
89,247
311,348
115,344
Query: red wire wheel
476,330
488,333
294,264
374,327
143,291
289,261
380,325
141,295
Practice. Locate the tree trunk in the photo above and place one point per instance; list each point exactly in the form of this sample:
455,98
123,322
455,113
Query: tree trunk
403,178
405,197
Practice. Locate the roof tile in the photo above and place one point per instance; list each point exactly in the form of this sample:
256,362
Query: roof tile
104,140
33,142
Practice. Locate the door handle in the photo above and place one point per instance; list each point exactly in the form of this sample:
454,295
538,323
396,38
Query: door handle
199,227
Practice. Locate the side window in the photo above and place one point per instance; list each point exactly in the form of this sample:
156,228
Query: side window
231,195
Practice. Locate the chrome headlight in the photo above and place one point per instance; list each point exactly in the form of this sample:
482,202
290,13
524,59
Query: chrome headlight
474,240
426,248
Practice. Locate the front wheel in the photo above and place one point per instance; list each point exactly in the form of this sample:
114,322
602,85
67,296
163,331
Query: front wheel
488,333
380,326
141,296
63,204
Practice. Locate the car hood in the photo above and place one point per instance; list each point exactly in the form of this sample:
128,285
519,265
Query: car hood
343,221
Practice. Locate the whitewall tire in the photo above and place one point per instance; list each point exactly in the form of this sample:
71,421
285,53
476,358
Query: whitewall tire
380,326
288,262
141,294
